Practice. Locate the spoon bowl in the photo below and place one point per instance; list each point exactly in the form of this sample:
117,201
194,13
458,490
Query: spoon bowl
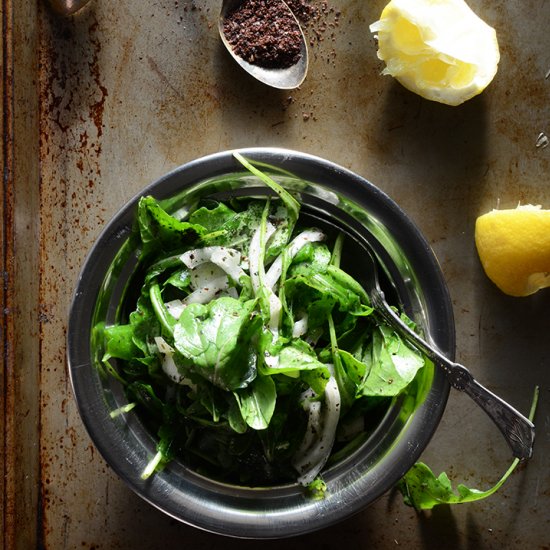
67,7
285,78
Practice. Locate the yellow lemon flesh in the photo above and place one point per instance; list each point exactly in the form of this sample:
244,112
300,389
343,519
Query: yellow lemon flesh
514,248
439,49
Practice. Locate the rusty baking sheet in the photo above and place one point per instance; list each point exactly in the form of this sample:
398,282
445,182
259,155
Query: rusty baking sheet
98,105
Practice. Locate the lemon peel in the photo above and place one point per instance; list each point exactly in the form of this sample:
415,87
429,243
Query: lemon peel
439,49
514,248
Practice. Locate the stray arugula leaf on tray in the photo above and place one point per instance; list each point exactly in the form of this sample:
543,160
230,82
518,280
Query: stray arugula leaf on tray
422,490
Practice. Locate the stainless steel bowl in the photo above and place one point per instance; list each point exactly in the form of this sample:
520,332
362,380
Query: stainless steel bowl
413,280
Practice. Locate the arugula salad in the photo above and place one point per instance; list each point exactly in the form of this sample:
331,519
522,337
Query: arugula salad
247,348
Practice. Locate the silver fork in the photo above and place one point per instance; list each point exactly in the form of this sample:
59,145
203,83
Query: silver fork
518,431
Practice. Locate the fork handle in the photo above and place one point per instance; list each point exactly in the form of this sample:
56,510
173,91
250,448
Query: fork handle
518,430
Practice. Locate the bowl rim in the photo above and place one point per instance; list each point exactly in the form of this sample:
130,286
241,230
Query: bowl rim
274,518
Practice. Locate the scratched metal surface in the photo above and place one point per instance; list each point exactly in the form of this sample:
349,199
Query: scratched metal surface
128,90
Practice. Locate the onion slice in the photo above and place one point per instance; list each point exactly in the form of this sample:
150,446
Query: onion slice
275,271
309,461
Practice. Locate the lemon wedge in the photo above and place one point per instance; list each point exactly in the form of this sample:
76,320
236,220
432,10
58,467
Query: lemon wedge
514,248
439,49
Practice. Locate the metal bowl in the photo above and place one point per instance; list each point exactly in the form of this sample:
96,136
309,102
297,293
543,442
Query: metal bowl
412,278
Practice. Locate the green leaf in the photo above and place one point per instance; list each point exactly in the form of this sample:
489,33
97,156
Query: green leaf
347,282
161,267
329,288
145,324
312,258
145,395
390,365
179,279
235,418
257,402
290,202
317,489
160,231
295,356
297,359
236,229
212,219
119,342
284,223
346,386
163,315
216,338
422,490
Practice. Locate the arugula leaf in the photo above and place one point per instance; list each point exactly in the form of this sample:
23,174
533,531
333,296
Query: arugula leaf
313,257
179,279
237,228
119,342
145,395
235,418
346,297
145,324
422,490
163,315
317,489
161,267
257,402
298,360
212,219
160,231
290,202
345,384
295,356
215,338
388,366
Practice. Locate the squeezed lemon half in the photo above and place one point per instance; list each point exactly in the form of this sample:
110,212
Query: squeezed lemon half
439,49
514,248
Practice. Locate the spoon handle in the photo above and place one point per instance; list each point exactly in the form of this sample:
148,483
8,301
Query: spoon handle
518,431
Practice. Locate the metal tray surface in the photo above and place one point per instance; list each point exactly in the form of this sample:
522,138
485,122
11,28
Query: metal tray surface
98,105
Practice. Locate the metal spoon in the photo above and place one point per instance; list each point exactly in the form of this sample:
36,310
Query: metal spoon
518,431
67,7
285,78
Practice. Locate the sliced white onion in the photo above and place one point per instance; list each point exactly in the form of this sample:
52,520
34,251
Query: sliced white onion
175,308
300,327
310,461
193,258
254,253
313,408
181,213
276,269
169,366
275,310
163,346
205,294
204,274
170,369
228,259
272,361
